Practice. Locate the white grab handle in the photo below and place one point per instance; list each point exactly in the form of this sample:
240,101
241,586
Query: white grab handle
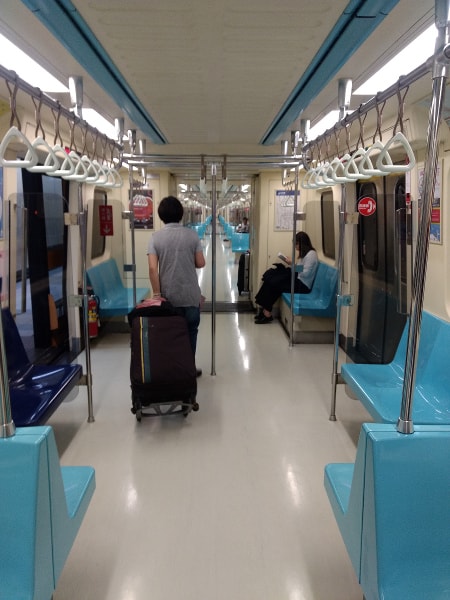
338,169
366,165
67,166
51,162
15,133
80,173
102,174
307,183
351,169
326,174
384,162
91,169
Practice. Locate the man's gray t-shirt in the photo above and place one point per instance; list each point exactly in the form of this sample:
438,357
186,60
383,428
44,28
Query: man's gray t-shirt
176,246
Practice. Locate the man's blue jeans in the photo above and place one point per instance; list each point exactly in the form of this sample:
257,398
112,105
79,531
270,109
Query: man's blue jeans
192,316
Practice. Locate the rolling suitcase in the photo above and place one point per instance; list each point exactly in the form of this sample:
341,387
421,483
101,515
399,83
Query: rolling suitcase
162,367
243,273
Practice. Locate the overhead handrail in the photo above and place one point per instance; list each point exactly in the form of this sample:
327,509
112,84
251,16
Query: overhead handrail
360,164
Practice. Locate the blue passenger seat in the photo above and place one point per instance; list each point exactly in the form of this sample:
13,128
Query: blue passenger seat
35,391
115,299
240,242
379,387
321,301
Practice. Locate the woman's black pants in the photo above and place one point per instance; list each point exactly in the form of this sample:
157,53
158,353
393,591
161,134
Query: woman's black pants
270,291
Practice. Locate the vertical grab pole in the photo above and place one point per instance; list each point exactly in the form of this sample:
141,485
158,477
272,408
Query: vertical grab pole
284,150
337,326
87,343
132,231
441,61
8,428
213,272
344,95
293,272
23,285
132,137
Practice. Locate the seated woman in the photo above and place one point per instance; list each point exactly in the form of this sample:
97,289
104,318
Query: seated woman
271,289
243,227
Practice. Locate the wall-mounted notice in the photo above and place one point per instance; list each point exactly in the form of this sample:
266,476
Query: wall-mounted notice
284,209
436,213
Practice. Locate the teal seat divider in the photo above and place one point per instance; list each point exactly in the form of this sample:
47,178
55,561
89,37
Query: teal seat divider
393,511
42,506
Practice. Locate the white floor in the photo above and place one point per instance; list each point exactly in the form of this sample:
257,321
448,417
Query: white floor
226,504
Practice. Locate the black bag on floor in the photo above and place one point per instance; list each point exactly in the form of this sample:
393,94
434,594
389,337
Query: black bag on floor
277,277
243,273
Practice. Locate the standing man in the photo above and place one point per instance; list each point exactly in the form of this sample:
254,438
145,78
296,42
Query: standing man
174,254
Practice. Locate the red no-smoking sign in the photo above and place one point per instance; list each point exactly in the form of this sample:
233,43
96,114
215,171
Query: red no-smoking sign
367,206
106,220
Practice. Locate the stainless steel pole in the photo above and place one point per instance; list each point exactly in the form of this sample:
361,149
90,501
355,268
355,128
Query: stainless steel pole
132,233
213,271
8,428
293,272
337,326
87,343
344,96
441,62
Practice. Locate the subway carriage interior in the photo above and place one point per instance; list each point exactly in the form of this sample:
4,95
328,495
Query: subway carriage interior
316,467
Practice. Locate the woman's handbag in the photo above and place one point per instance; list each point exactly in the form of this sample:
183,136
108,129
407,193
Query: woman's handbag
277,276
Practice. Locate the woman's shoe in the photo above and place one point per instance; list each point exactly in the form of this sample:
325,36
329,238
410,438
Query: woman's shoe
263,319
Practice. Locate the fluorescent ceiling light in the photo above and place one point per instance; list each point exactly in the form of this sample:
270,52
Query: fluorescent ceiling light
95,119
327,122
403,63
29,70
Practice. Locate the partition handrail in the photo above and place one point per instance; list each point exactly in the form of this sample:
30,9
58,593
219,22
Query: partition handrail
442,61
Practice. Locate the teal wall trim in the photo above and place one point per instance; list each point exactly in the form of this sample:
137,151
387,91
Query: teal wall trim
62,19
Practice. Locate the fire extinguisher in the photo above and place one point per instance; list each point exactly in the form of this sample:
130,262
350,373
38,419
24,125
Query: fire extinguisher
93,319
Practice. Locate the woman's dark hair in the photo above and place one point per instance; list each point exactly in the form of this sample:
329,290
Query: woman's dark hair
305,245
170,210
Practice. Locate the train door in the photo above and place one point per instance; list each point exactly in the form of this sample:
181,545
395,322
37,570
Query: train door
39,240
383,246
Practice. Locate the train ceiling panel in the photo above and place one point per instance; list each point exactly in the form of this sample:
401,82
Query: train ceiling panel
210,76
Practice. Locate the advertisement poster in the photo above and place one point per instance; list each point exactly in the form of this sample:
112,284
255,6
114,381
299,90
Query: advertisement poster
142,209
284,210
436,213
